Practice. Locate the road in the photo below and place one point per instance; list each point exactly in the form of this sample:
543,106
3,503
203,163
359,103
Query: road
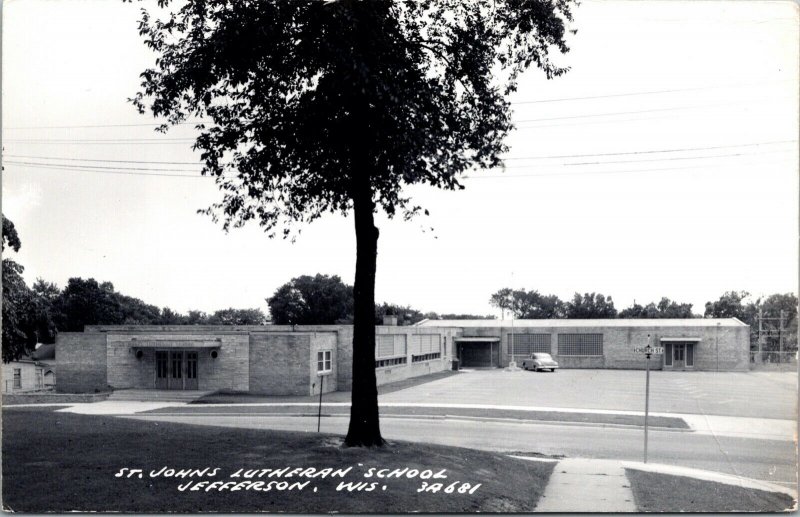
767,460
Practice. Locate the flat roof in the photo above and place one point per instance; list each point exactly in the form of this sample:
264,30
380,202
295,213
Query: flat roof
617,322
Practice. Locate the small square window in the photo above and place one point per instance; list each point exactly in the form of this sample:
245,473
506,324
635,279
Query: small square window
324,361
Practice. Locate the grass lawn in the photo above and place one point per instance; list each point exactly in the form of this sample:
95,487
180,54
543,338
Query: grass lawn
663,493
547,416
57,462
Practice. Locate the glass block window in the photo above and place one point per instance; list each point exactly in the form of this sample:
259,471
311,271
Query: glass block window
425,357
383,363
390,345
324,361
527,344
580,344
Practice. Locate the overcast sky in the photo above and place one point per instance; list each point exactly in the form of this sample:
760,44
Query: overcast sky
663,164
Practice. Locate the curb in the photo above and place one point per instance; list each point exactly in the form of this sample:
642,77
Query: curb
467,418
708,475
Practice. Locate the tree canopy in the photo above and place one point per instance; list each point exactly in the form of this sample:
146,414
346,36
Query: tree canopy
26,318
304,97
308,300
525,304
665,308
729,305
319,107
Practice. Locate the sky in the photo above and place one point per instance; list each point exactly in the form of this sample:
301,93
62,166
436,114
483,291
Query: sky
665,163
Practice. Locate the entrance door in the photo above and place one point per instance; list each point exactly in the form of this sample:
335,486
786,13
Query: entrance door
175,370
162,370
678,355
191,371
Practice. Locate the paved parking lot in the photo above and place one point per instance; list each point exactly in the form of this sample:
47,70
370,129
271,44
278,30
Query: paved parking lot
748,394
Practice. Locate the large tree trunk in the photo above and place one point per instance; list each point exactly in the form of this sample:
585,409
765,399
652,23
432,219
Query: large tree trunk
364,427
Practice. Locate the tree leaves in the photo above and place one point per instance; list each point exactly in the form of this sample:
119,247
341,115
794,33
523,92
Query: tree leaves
305,97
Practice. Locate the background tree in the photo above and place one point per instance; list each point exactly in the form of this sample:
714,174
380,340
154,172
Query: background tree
590,306
665,308
25,318
525,304
454,316
170,317
88,302
503,300
196,318
406,315
729,305
312,300
237,317
321,107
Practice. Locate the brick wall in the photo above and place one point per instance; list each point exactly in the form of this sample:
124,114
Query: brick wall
81,362
229,371
279,363
619,343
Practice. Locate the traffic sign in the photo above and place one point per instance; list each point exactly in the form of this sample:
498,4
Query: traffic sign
649,349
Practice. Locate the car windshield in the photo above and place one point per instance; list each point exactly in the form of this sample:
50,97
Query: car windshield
546,357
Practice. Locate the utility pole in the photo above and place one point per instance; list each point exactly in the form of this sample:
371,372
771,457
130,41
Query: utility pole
780,337
646,394
760,340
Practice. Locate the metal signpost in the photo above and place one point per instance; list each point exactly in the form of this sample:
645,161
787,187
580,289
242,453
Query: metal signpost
321,386
648,350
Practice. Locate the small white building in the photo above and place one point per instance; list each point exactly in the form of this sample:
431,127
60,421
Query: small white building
33,372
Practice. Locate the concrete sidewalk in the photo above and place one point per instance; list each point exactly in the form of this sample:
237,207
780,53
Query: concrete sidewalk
582,485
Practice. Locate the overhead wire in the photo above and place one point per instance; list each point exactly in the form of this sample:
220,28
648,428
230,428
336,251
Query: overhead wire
651,92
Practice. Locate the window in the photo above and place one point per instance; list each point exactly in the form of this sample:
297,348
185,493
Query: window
580,344
17,378
425,357
324,361
382,363
527,344
425,347
390,350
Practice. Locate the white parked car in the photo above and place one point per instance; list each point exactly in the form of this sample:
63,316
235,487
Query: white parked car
540,361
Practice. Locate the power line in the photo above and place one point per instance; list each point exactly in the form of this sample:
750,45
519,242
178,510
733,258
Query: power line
651,151
582,173
634,112
512,158
142,172
106,170
99,141
97,160
151,124
652,92
727,155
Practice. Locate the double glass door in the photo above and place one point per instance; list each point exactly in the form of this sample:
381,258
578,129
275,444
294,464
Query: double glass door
679,355
176,370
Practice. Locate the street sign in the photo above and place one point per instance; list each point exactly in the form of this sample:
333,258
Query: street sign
649,350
